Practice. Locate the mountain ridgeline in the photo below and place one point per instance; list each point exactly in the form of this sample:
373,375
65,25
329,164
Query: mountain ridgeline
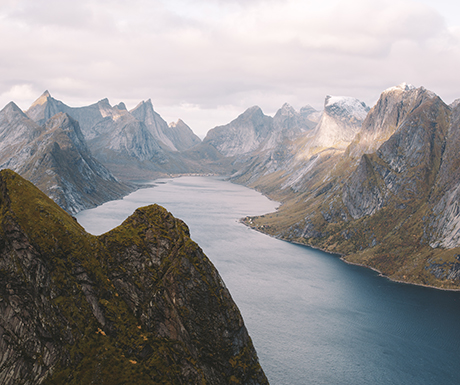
378,185
140,304
388,199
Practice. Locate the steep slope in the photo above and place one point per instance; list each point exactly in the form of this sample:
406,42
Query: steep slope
175,137
141,304
444,229
16,131
392,108
182,135
243,135
157,127
55,158
389,208
299,149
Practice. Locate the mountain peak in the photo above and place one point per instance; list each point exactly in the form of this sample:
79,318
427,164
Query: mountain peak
121,106
401,87
104,102
254,110
42,99
346,104
12,107
287,108
143,106
179,122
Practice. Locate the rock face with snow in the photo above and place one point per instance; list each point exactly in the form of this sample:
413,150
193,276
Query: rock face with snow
56,159
388,199
340,122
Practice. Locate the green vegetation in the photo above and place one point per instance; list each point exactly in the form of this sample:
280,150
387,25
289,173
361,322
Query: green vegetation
394,235
138,305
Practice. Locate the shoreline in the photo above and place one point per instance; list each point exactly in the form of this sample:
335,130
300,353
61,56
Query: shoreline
342,258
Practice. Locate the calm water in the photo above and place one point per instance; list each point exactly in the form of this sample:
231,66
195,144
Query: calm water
313,318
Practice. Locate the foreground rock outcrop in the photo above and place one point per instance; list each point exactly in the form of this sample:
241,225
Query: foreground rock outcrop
140,304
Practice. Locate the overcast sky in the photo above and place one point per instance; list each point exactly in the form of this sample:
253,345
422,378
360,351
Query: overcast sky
206,61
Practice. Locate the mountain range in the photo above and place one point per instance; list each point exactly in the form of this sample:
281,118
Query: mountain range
56,158
378,185
386,197
142,304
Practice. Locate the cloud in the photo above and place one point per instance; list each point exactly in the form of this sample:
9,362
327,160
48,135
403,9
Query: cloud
19,93
223,56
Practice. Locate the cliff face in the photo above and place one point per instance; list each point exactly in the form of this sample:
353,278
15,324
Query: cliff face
141,304
243,135
56,159
389,200
134,145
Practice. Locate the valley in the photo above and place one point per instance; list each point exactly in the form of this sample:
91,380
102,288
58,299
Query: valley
378,185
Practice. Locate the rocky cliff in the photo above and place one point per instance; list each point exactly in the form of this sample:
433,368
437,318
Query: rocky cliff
140,304
175,137
242,135
388,200
56,159
134,145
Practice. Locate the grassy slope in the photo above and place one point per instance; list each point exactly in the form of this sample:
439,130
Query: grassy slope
117,348
394,239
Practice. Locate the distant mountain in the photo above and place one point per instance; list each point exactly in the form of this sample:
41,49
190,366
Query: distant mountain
288,124
253,132
388,200
379,185
140,304
299,145
182,135
56,159
176,137
242,135
134,145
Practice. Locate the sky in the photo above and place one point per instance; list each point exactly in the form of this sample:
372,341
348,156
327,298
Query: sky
206,61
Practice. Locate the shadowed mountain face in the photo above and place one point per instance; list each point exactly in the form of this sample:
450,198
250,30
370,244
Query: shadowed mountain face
56,159
141,304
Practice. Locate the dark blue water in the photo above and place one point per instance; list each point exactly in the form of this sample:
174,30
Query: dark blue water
313,318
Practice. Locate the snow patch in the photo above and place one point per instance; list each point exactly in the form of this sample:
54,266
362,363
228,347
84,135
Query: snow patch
352,106
401,87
